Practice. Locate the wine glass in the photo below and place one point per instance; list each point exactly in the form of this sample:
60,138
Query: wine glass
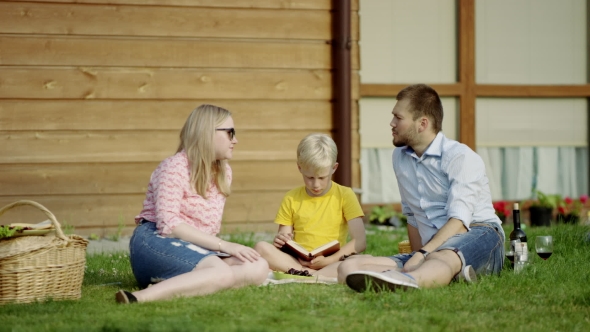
544,246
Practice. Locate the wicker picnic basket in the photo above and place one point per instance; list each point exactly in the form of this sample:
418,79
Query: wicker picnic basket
35,268
404,247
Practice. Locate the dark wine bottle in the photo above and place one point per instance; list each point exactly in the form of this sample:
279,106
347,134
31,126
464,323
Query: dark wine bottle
517,233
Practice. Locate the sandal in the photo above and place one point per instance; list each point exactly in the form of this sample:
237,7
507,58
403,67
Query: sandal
123,296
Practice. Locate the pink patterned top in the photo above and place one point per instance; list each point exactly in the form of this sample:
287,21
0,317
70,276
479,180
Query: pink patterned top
170,199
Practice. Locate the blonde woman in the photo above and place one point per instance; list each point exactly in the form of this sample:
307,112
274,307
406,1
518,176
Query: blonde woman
175,247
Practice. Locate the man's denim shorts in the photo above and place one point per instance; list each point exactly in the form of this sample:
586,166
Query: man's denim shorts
482,247
155,258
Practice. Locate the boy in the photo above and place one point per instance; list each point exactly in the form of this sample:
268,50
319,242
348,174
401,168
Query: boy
316,213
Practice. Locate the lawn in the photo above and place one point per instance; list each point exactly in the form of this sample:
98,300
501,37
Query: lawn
552,295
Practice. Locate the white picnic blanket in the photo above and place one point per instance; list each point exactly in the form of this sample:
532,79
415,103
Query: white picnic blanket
279,278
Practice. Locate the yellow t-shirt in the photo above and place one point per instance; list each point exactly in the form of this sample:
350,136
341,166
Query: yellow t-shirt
318,220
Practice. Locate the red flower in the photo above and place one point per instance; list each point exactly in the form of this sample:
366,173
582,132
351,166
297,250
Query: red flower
502,208
569,206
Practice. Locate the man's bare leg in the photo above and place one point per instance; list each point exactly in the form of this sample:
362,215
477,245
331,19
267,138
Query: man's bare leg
365,263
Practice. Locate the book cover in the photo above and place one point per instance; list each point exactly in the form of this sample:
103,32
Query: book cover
295,249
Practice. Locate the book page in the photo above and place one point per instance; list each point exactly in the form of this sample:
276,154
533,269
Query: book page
326,249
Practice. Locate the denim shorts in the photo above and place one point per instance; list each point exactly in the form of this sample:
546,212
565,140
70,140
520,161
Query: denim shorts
155,258
482,247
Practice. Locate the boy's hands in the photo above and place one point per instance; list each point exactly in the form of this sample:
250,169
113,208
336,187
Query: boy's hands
281,239
317,263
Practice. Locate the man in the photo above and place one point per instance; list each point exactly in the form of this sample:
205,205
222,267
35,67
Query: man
452,226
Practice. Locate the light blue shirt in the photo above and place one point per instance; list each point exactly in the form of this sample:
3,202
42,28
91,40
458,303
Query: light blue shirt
448,181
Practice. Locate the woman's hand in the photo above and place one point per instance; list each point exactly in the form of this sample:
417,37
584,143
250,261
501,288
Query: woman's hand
414,262
239,251
281,239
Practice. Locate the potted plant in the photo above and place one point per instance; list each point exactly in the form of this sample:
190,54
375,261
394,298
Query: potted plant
569,209
542,207
502,209
386,215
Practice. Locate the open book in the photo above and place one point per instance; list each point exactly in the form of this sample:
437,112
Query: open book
295,249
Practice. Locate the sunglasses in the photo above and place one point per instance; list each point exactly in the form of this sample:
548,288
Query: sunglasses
230,131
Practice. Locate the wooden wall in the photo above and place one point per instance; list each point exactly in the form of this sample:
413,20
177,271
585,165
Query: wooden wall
93,94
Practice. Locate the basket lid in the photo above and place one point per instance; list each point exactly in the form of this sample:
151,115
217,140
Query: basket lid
14,246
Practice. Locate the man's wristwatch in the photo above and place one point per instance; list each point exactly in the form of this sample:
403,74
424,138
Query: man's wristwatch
423,252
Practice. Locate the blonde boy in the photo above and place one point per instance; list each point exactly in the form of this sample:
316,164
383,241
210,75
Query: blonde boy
316,213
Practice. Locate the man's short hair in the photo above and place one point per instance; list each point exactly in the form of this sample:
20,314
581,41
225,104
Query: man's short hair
317,152
424,101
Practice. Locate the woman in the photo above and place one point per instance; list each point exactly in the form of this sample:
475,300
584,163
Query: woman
174,248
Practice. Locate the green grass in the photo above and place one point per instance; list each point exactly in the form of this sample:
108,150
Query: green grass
552,295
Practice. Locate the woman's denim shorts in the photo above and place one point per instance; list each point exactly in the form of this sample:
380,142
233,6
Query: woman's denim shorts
155,258
482,247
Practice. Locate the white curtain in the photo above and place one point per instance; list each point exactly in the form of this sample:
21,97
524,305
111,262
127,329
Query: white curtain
514,172
377,176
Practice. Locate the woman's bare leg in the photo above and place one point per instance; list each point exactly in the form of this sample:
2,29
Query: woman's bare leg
211,275
246,274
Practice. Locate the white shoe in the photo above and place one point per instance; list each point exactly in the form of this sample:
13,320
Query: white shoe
391,280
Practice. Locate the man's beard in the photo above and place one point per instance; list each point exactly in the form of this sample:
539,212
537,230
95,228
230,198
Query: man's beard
406,139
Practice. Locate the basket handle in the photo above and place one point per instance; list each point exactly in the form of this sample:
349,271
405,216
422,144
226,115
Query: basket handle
48,213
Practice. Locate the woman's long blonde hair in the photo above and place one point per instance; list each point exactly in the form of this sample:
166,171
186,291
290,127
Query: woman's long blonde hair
196,139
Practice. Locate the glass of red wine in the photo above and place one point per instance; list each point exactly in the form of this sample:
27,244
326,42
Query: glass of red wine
544,246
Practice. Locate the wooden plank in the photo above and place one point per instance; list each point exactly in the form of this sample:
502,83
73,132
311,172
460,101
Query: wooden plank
75,178
391,90
77,210
355,30
137,83
251,176
132,178
257,206
122,20
132,146
105,233
355,145
355,58
280,4
267,226
85,146
84,211
129,52
356,84
532,91
90,213
467,72
354,120
356,174
163,115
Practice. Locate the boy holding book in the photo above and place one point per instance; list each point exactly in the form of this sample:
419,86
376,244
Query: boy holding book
315,214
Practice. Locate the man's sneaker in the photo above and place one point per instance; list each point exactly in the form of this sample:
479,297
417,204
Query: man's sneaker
467,274
391,280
